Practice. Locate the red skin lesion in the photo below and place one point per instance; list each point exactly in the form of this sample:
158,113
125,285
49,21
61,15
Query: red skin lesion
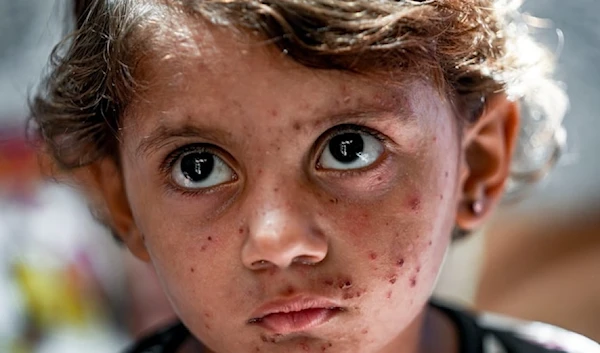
413,281
414,203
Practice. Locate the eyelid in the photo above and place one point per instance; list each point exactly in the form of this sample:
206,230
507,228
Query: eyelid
168,162
344,128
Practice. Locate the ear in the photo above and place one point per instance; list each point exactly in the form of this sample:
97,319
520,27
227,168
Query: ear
487,147
103,183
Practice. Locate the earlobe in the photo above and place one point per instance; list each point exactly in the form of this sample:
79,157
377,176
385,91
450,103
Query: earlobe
104,185
487,147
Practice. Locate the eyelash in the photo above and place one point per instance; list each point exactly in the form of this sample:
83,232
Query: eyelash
340,129
168,163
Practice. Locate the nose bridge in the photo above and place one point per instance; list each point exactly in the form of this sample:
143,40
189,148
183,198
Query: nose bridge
280,224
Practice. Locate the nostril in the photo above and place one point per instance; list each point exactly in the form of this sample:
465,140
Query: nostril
305,260
260,264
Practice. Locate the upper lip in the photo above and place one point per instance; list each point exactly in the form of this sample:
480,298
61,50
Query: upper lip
295,304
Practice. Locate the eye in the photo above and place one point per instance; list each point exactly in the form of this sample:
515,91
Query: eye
351,150
199,169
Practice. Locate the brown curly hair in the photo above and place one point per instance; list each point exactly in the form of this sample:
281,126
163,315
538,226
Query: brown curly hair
468,48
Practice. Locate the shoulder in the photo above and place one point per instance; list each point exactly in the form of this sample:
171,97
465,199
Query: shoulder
505,334
492,333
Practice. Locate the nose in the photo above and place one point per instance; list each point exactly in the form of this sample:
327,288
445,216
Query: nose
280,237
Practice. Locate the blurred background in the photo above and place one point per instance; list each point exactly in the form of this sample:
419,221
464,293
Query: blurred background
67,286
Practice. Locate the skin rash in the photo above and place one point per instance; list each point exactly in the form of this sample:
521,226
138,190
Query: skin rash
376,235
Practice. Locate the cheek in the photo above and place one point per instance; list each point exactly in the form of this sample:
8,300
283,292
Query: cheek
398,239
185,244
391,248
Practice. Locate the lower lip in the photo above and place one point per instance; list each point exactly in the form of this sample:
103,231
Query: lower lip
297,321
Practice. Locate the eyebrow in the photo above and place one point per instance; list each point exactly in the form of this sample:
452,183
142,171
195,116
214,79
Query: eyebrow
401,113
161,136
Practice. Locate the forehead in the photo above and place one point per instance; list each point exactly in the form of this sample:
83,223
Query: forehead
200,69
185,42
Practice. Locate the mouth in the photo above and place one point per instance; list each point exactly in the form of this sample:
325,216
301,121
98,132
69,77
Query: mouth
296,315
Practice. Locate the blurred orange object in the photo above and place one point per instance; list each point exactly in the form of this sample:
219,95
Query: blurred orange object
19,168
545,266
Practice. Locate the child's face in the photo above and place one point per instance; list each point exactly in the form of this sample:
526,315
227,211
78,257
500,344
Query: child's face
253,179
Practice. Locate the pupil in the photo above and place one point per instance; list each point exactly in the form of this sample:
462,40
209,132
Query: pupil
347,147
197,167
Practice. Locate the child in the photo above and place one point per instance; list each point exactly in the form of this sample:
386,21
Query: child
294,169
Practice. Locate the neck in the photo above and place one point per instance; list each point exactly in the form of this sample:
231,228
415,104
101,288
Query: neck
431,332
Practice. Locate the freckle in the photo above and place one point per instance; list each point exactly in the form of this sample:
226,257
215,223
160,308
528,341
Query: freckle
192,269
296,126
209,238
389,294
257,349
207,326
418,269
400,263
274,112
276,189
446,174
290,290
441,197
379,178
430,242
413,282
372,255
207,315
260,171
203,247
434,138
393,280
